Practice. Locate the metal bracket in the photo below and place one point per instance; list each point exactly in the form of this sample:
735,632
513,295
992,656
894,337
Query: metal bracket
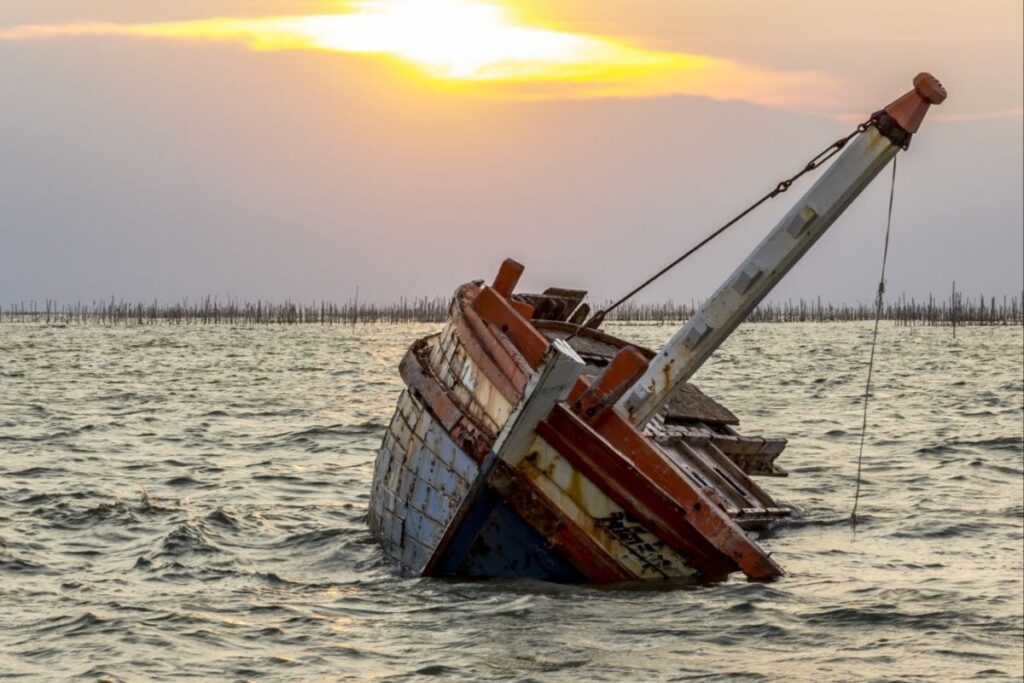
800,221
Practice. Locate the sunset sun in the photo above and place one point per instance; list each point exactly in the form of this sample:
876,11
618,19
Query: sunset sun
459,40
533,340
484,48
449,38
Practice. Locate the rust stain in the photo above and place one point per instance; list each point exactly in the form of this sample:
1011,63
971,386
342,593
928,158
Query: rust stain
495,309
618,376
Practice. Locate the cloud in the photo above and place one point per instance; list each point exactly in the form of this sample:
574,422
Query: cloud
481,49
1015,113
933,116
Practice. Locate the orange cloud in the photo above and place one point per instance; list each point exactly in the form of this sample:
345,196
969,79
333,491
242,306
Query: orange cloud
480,48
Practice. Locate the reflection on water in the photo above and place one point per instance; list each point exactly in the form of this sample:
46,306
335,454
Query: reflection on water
189,501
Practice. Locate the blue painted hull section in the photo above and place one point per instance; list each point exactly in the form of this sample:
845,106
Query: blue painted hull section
421,479
493,540
612,507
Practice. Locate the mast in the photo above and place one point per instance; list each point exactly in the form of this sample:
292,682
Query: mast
865,156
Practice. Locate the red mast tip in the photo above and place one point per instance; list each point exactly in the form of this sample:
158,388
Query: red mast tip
909,110
929,88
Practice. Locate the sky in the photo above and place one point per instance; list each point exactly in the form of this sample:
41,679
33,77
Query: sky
306,148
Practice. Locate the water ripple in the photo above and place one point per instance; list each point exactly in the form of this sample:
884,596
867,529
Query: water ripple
189,502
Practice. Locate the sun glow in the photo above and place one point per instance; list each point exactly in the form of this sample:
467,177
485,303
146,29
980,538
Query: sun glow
481,45
452,39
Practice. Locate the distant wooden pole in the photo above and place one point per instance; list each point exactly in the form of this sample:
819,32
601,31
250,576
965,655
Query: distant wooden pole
952,308
355,310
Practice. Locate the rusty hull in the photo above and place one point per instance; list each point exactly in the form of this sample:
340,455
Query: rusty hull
525,446
586,495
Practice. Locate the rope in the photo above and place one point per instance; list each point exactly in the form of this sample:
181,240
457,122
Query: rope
823,156
874,343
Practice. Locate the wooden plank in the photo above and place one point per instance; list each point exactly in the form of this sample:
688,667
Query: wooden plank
562,535
688,403
472,438
498,359
707,518
508,277
602,393
639,496
496,309
557,373
608,344
477,340
555,376
633,544
522,308
554,304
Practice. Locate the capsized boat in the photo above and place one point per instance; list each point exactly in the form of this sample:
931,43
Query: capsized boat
526,444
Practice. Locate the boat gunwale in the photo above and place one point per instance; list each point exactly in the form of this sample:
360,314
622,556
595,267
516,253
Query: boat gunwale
490,334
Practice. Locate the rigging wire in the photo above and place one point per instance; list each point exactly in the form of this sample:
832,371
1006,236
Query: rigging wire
823,156
874,343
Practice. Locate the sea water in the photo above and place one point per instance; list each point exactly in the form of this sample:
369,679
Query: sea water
189,502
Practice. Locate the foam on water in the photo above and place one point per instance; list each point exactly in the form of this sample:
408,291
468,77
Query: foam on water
189,502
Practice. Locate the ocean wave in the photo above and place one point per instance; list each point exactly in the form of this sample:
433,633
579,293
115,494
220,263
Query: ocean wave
211,524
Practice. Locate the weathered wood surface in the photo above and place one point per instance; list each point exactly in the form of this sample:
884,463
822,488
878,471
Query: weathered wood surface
554,303
420,477
690,404
597,502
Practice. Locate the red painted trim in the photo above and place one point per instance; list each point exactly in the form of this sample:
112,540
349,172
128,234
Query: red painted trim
495,309
480,344
522,308
475,440
589,560
701,512
622,372
642,498
508,277
511,365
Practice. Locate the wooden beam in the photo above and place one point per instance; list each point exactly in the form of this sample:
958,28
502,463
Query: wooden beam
508,277
633,491
706,517
616,378
496,309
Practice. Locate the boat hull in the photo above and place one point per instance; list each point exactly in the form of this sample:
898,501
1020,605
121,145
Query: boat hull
505,459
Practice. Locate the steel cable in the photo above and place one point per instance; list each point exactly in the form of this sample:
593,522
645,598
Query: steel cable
823,156
874,343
